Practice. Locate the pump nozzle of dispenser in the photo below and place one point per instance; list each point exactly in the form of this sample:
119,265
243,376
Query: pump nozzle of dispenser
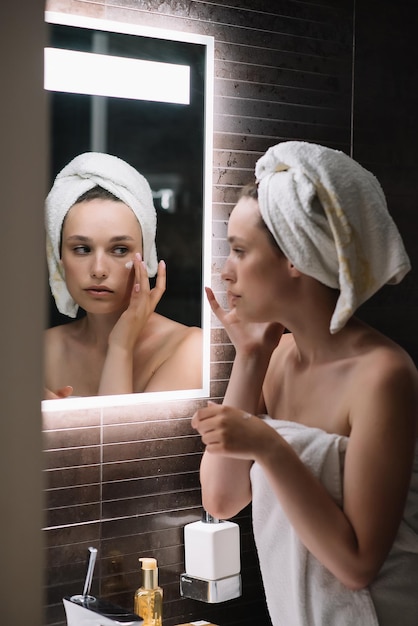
207,518
150,573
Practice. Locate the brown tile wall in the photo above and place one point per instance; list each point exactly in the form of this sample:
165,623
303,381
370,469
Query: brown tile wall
126,480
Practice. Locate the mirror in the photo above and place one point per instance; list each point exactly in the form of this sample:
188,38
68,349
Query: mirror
165,135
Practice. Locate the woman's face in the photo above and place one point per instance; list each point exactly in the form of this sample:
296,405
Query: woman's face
255,271
99,237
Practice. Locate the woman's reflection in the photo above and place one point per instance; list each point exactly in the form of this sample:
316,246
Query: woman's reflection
101,226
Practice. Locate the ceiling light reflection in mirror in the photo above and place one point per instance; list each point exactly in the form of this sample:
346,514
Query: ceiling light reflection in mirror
158,89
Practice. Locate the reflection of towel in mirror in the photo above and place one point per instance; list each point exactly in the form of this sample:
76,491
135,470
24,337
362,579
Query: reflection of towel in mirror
80,175
300,591
346,240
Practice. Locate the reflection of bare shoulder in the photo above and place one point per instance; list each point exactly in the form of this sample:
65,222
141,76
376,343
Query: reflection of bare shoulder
173,355
57,350
55,340
162,329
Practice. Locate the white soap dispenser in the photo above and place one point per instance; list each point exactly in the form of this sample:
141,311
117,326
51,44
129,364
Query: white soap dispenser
212,560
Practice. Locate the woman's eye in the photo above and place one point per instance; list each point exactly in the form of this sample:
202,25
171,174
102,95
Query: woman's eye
81,249
238,251
120,250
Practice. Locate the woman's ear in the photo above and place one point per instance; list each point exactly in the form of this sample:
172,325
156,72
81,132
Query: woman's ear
293,271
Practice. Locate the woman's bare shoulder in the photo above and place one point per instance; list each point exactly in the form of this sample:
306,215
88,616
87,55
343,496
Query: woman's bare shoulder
53,337
64,329
60,345
58,336
385,358
161,326
56,356
387,378
174,352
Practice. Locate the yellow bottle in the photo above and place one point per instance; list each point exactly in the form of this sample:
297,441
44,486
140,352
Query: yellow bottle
148,601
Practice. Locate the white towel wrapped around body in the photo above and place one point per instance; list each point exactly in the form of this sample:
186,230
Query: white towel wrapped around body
329,217
300,591
84,172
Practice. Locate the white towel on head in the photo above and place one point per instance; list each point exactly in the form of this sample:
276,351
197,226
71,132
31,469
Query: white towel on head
329,217
80,175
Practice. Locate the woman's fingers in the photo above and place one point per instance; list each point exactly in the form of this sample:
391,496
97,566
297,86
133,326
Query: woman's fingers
205,413
141,280
160,283
142,294
64,392
214,305
227,431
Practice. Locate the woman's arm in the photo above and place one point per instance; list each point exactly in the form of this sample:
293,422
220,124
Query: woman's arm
352,542
225,481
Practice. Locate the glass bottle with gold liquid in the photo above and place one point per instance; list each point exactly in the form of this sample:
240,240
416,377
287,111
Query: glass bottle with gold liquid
148,601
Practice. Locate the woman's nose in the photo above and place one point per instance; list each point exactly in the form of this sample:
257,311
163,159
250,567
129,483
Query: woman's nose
226,273
99,268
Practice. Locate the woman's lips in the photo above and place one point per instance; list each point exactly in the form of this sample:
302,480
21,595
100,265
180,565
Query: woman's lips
98,291
232,297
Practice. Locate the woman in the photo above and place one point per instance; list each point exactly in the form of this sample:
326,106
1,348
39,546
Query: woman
101,225
329,470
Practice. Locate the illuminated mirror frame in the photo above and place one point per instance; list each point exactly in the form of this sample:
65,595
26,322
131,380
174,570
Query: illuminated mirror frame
208,42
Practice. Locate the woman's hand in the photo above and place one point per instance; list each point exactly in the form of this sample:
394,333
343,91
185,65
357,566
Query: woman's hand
246,336
64,392
117,371
230,432
143,303
234,439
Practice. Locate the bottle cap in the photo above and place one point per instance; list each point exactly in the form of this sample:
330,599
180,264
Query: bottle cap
149,572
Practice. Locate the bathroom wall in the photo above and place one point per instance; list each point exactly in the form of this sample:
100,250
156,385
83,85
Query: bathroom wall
126,480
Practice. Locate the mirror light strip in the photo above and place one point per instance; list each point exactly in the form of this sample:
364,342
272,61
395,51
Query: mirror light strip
103,75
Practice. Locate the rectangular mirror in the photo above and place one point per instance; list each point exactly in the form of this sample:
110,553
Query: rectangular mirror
146,96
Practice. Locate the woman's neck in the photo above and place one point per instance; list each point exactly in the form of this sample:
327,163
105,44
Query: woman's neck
309,321
97,328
